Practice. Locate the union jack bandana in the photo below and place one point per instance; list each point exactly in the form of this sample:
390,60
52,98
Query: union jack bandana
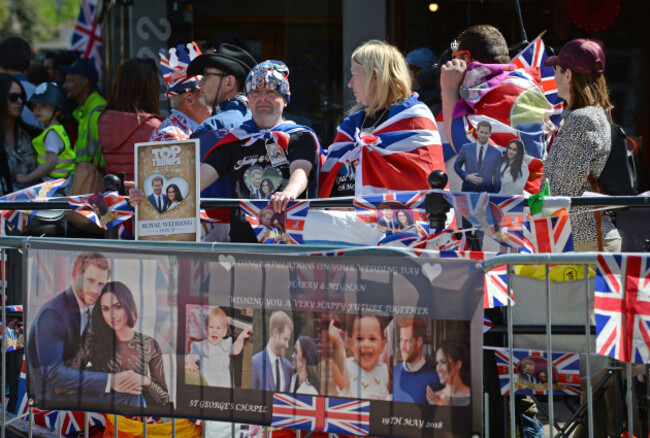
174,68
270,74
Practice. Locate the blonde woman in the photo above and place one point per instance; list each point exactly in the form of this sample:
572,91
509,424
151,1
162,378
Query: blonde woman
389,141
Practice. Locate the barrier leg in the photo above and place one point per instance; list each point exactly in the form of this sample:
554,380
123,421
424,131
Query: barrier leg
58,424
31,421
630,406
115,426
511,354
549,355
590,403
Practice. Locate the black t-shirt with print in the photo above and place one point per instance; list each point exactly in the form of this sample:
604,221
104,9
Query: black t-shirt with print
253,175
345,182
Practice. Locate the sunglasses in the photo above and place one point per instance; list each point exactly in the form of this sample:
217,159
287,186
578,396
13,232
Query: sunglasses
460,54
13,97
209,73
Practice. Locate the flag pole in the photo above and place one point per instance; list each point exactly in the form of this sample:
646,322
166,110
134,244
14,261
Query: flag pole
521,21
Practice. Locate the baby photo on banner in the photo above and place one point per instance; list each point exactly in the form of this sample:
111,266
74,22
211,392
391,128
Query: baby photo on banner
168,173
365,346
100,331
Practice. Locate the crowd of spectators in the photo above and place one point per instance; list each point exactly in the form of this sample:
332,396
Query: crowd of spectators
389,140
54,117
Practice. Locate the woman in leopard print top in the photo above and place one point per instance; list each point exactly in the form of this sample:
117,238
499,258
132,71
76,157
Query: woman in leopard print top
583,141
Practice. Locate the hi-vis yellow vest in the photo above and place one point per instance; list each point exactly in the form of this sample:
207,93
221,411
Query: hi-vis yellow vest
66,159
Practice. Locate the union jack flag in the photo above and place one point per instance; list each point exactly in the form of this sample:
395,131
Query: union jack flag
487,324
408,205
622,305
321,414
565,379
496,291
175,127
534,55
445,240
501,217
174,68
407,143
17,308
71,421
466,255
87,36
23,400
118,209
39,192
271,227
550,234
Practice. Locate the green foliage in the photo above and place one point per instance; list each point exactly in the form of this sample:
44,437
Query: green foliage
37,20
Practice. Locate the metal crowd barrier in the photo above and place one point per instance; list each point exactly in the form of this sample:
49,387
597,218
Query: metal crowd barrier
509,260
586,329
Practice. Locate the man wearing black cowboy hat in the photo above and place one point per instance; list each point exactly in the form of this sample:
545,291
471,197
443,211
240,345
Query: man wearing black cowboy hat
224,72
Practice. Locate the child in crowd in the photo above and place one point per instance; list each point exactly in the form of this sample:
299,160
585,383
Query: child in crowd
361,375
54,152
213,354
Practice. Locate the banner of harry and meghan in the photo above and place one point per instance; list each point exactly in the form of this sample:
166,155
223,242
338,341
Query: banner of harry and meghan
374,346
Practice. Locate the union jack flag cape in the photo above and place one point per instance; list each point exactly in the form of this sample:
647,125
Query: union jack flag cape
534,55
271,227
87,36
397,156
175,127
118,208
248,133
516,107
39,192
321,414
622,305
566,372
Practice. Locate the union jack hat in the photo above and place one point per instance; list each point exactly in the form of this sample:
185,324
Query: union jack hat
174,68
270,74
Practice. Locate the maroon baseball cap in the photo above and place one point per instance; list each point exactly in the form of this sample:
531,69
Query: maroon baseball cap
581,56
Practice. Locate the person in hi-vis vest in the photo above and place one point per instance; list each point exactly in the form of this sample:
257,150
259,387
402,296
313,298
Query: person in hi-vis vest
54,153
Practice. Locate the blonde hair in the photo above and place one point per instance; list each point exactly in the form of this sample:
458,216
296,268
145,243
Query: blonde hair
216,312
386,71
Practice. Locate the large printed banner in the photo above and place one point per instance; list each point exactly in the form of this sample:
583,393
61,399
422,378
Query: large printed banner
378,346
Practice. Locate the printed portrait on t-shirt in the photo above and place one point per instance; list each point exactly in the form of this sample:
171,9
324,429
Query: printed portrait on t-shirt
262,182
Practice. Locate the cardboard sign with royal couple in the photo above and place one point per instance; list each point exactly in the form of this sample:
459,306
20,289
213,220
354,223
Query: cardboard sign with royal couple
168,173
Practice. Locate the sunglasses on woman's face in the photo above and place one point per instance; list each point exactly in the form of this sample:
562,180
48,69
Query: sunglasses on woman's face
13,97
